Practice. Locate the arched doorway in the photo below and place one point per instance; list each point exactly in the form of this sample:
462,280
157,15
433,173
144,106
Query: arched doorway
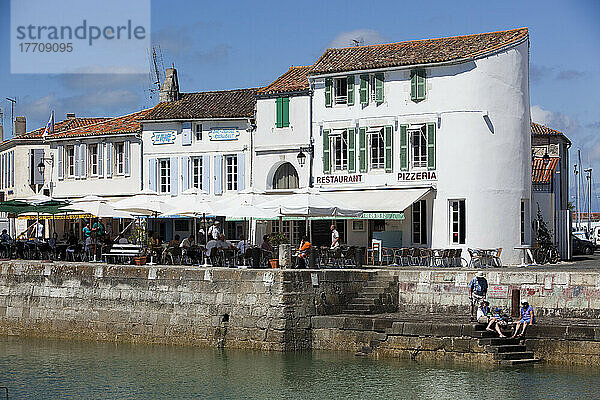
285,177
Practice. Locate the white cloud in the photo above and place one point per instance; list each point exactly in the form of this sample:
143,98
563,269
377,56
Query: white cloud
554,120
364,36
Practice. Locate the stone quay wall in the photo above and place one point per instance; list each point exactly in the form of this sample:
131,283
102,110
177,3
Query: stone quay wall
567,294
217,307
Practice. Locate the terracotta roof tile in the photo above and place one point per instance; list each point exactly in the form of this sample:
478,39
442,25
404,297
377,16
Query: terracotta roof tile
129,123
218,104
415,52
542,130
62,126
541,174
294,80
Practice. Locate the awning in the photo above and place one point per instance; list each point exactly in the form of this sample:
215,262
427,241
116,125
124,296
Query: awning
378,201
55,216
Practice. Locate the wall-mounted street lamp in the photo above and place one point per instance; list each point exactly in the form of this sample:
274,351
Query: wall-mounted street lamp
302,160
42,167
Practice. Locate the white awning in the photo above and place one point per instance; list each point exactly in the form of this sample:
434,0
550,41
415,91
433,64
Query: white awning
378,200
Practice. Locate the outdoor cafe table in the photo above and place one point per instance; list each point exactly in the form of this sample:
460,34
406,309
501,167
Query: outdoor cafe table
527,255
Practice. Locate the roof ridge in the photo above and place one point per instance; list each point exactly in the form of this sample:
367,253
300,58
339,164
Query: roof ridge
105,119
223,91
428,39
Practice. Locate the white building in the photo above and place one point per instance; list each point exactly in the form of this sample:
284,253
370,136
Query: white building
431,138
198,140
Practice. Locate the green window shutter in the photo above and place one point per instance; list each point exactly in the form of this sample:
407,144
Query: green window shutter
431,145
404,147
389,154
326,163
364,89
328,91
413,85
362,149
379,88
351,150
279,107
420,84
350,80
285,113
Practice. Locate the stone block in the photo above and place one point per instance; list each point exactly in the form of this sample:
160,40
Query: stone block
417,329
14,312
327,322
358,323
444,330
382,324
581,332
461,345
547,331
397,328
584,347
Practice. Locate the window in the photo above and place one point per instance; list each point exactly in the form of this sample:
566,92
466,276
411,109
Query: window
282,106
231,172
285,177
418,145
417,85
419,222
524,221
70,150
457,221
341,90
93,151
120,158
198,132
339,150
197,172
376,149
164,175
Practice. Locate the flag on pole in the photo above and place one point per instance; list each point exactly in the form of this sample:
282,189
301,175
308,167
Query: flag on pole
49,129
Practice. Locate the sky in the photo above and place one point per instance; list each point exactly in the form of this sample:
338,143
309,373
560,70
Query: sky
234,44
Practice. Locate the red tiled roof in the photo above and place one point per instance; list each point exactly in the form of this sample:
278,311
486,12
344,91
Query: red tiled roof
416,52
129,123
542,130
541,174
219,104
62,126
294,80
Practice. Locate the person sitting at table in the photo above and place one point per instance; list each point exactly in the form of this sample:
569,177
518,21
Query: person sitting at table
53,240
72,239
242,245
224,244
302,254
172,249
5,237
265,245
187,242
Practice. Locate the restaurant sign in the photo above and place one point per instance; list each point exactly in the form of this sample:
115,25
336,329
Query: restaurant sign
498,292
164,137
223,134
417,176
383,215
339,179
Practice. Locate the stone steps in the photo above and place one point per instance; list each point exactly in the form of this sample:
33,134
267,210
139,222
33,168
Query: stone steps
496,341
376,296
520,362
511,348
506,351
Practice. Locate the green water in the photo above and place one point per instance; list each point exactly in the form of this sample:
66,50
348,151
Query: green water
48,369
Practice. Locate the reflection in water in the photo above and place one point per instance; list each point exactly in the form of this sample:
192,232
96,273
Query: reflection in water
43,369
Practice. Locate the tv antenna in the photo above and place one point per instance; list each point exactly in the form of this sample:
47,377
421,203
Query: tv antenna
156,74
358,42
12,115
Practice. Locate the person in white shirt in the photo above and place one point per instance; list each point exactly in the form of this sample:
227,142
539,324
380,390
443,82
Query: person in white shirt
215,230
242,245
187,242
335,237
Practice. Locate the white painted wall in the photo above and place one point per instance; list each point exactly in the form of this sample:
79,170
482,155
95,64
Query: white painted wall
274,146
488,165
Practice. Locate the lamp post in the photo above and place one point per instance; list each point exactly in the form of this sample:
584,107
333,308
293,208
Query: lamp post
576,172
302,160
588,171
42,167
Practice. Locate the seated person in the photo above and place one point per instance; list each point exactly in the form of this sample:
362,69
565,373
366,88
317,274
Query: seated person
5,237
527,318
302,254
53,240
266,247
72,240
172,248
223,243
243,245
483,312
187,242
496,321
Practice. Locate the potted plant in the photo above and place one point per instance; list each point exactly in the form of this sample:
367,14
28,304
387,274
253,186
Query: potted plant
275,239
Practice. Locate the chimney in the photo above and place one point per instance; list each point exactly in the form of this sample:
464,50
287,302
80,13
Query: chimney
169,90
70,115
20,126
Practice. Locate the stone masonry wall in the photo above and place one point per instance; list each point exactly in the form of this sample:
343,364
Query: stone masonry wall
217,307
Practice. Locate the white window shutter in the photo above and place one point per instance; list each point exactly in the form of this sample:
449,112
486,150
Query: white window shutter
206,173
174,175
241,178
126,157
109,159
152,174
218,174
61,163
185,173
83,154
186,133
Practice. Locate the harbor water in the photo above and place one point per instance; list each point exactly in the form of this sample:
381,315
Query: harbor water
51,369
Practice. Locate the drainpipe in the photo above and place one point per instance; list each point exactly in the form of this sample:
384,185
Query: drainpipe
141,160
252,128
311,140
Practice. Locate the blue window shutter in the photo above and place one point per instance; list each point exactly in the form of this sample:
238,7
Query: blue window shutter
83,160
126,158
186,133
241,167
61,163
185,173
109,162
174,175
100,159
152,174
206,173
218,174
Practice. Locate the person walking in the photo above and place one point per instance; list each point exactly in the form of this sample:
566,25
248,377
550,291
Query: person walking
335,237
477,289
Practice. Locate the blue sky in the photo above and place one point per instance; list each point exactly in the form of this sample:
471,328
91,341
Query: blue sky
232,44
